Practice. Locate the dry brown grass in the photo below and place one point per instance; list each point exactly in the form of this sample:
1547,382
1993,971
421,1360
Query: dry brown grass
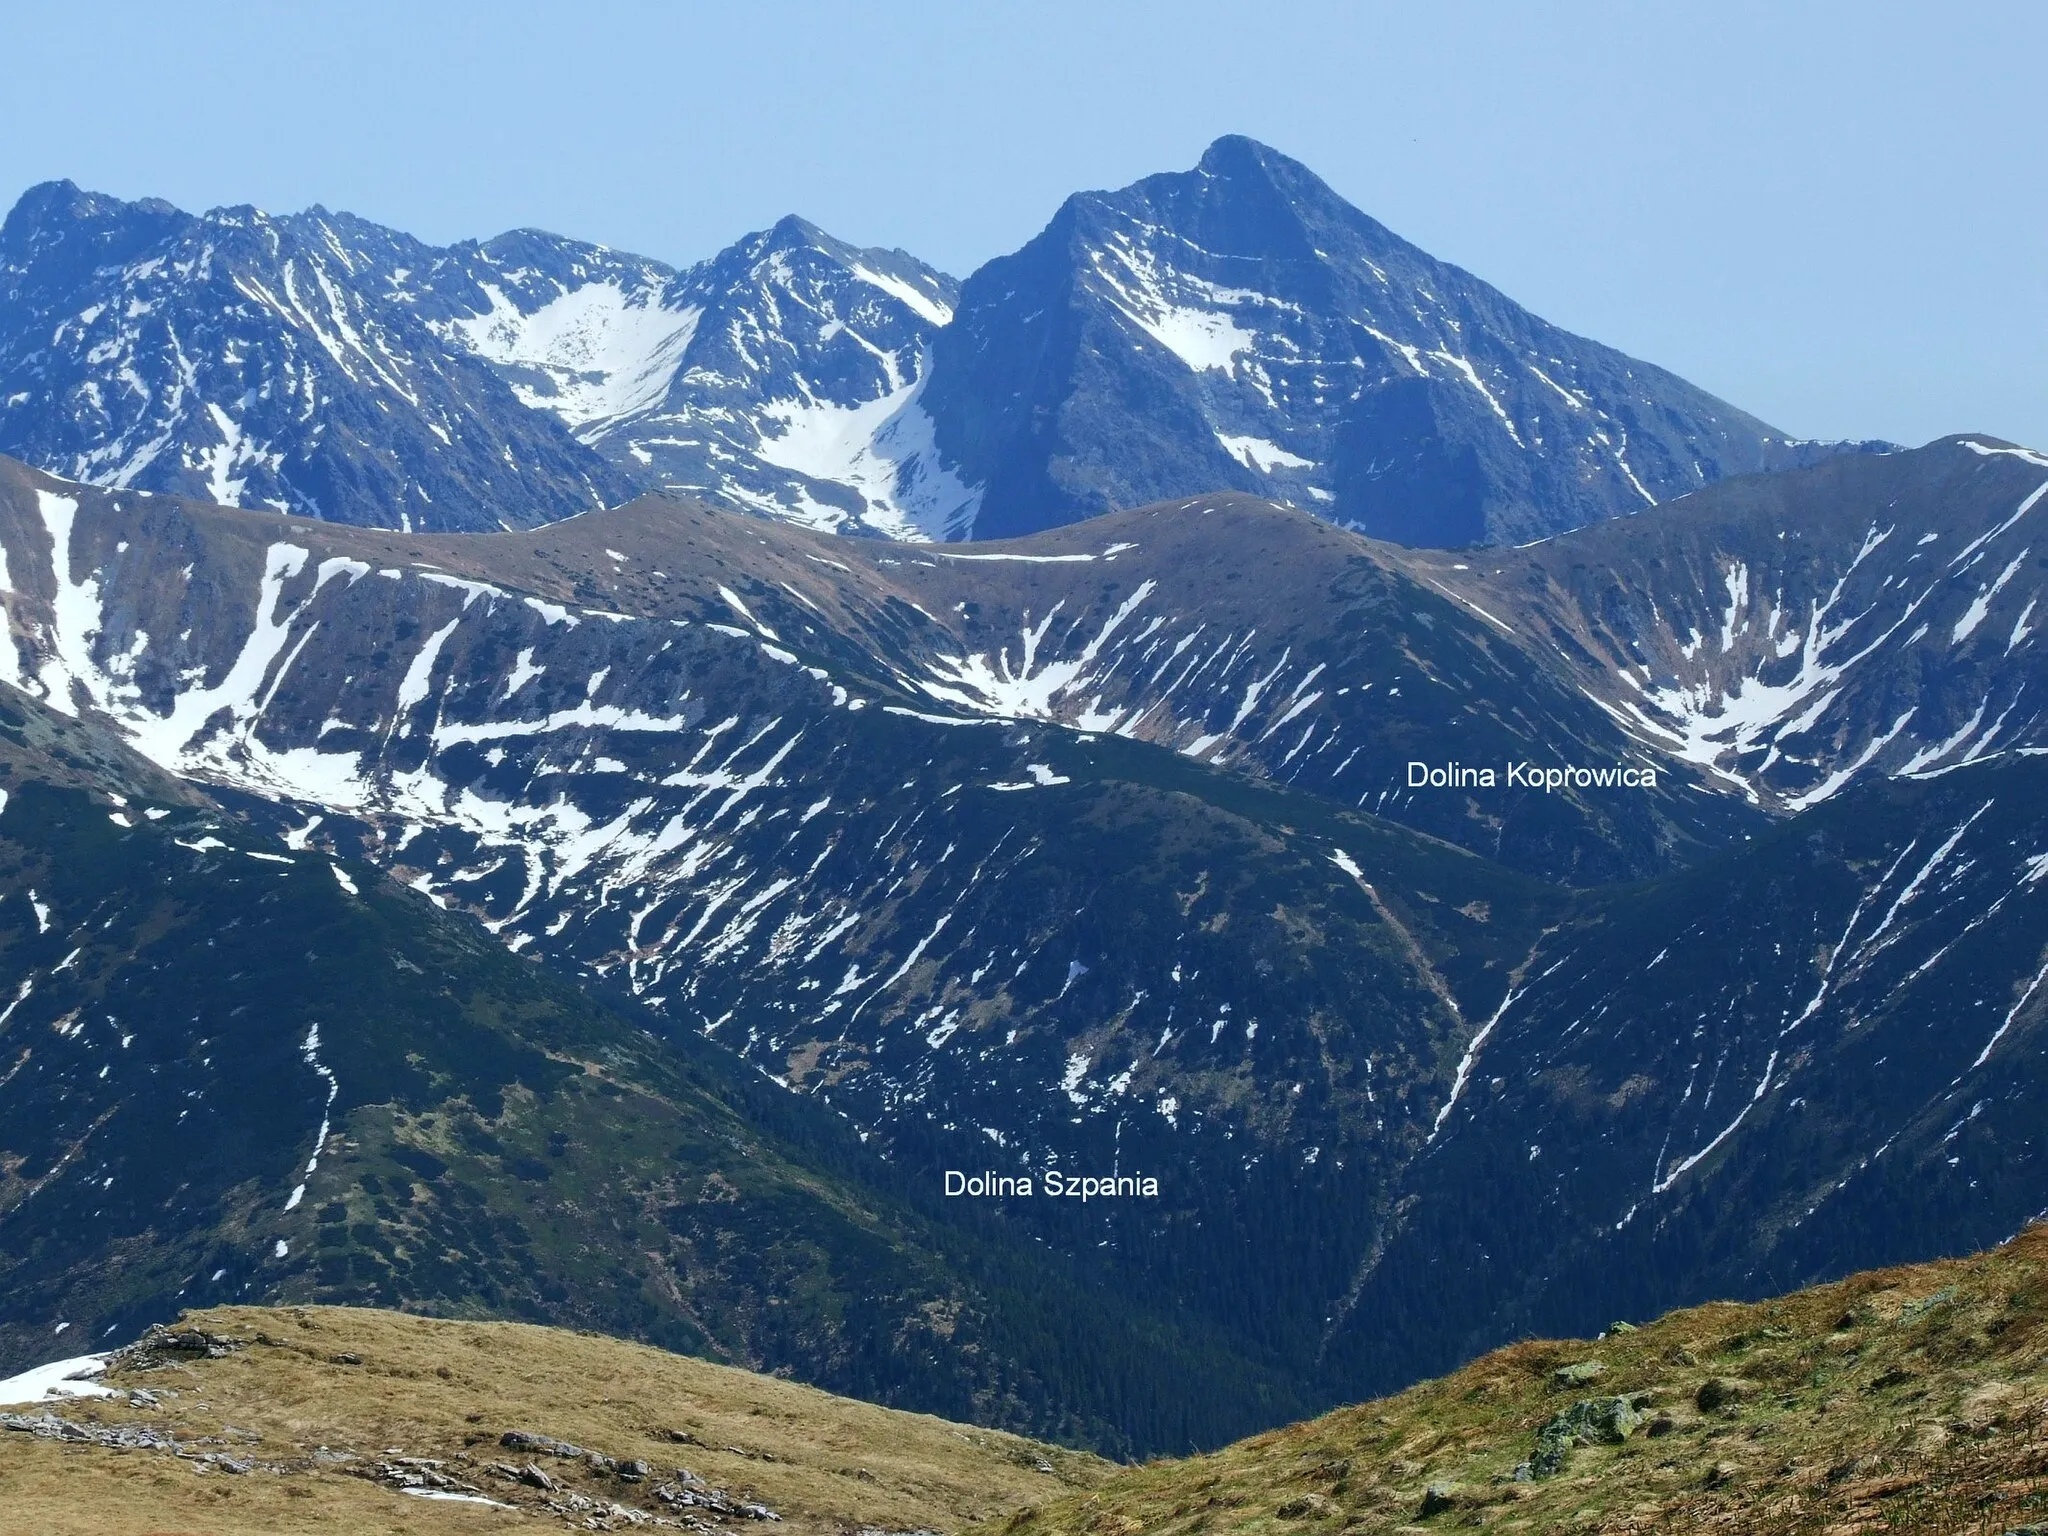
448,1390
1912,1400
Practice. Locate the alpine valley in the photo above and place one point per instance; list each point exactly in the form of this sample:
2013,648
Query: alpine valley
545,786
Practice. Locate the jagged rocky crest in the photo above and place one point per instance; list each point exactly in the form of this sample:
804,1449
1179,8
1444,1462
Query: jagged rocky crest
321,364
262,361
1238,326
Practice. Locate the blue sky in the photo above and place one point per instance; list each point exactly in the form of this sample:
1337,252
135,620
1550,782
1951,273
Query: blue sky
1833,215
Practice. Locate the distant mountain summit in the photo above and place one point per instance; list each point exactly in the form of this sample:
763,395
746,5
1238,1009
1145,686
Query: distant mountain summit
263,361
1234,327
778,377
1241,326
321,364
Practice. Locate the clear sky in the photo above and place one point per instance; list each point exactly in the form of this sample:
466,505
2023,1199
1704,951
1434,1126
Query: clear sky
1833,215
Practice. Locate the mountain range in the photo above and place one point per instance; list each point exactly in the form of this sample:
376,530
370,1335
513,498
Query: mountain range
1500,840
1100,851
1237,326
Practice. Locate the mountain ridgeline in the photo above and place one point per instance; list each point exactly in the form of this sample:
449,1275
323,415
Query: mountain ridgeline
1096,852
1240,325
1237,326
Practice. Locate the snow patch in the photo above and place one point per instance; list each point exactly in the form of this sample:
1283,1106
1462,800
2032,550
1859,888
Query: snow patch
1256,453
58,1379
592,355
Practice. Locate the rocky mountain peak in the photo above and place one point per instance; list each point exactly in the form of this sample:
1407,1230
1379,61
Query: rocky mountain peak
793,231
1241,326
58,231
1244,189
263,360
1235,326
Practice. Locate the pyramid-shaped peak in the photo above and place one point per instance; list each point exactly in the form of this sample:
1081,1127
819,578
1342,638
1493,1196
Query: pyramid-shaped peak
1234,154
1242,197
794,232
1235,157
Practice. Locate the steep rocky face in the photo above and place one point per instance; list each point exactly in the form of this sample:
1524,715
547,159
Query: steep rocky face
320,364
781,376
1240,326
262,361
799,397
1791,633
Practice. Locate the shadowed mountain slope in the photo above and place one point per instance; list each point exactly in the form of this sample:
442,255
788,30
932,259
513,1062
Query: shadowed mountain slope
1816,1055
1008,855
1240,326
242,1069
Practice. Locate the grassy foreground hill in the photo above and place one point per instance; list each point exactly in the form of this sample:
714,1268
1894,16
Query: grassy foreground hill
1911,1399
315,1419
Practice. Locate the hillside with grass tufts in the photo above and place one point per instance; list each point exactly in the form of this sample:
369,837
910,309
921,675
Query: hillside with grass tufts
1901,1400
1911,1399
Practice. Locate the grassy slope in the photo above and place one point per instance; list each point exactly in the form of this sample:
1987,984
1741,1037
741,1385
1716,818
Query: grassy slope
1910,1399
448,1390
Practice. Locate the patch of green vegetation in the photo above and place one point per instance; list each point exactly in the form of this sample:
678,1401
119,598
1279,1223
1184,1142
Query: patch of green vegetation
1912,1399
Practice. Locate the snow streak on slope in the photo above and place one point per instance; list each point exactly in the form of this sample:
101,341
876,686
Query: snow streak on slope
1875,620
320,364
883,451
781,376
1751,1061
855,899
287,363
1709,721
1140,655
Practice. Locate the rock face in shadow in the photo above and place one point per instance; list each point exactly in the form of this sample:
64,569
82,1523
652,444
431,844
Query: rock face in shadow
1239,326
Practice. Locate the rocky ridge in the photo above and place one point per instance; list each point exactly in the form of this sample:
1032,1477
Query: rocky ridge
325,365
1234,327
